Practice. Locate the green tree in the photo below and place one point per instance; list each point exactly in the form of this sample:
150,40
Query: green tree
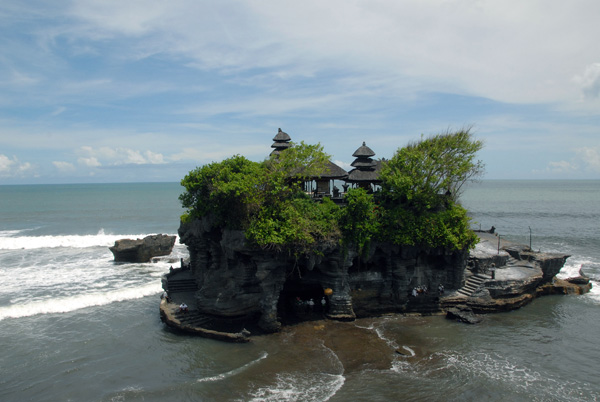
422,171
420,189
360,219
228,190
265,199
286,171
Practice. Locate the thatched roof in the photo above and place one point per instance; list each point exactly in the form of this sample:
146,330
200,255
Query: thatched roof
362,175
364,163
332,171
282,142
363,151
365,168
281,136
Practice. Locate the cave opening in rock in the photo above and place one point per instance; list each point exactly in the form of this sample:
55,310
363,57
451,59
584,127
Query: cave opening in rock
295,304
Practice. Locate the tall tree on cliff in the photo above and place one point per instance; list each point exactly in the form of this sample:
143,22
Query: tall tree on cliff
439,165
420,186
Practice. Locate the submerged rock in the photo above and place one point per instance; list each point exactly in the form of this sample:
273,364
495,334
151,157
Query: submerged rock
142,250
463,314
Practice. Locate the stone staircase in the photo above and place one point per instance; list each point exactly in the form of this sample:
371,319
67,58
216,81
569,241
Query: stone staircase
196,319
182,285
472,284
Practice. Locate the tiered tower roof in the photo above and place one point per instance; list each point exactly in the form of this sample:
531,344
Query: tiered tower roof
282,142
366,170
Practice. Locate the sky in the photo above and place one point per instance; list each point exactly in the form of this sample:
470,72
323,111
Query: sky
139,91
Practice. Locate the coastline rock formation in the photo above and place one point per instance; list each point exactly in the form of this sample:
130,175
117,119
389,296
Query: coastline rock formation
142,250
514,276
266,288
232,288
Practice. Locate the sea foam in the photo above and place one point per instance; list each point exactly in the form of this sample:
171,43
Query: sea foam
76,302
71,241
234,371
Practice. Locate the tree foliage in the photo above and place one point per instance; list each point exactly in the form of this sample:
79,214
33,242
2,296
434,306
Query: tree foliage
422,171
227,190
264,198
360,220
417,204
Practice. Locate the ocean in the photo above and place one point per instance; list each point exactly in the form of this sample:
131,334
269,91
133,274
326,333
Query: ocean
75,326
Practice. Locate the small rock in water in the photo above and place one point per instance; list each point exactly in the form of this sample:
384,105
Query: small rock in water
463,314
142,250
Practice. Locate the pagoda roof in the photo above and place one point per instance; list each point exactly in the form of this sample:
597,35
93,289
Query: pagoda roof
364,163
281,136
370,175
363,151
281,145
282,142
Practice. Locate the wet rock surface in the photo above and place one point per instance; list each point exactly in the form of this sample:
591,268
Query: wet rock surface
236,280
268,290
142,250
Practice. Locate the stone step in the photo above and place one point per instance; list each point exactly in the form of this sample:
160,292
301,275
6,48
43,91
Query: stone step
182,286
178,286
193,319
472,284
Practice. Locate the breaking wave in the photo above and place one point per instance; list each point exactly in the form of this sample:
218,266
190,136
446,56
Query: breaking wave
11,242
76,302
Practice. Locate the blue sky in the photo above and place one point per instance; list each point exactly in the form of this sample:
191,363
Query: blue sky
122,91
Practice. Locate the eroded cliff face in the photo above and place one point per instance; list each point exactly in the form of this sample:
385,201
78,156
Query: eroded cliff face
235,280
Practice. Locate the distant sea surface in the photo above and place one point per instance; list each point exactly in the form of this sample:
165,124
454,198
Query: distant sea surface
76,326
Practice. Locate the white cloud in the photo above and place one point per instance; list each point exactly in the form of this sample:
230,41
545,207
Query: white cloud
216,152
58,110
590,81
591,158
511,51
561,167
96,157
10,168
5,163
65,167
154,158
89,162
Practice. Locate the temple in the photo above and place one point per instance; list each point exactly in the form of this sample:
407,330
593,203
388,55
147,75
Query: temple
233,290
365,172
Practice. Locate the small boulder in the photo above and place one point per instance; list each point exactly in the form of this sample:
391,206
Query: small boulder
582,279
463,314
142,250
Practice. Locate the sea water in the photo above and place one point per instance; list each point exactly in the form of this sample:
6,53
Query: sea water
74,325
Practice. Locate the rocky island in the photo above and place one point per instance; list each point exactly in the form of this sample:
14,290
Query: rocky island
142,250
275,252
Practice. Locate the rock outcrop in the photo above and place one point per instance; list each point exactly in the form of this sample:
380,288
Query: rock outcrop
142,250
238,287
235,280
515,276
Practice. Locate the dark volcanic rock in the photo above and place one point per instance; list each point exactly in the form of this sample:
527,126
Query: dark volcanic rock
463,314
142,250
235,280
266,289
520,275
